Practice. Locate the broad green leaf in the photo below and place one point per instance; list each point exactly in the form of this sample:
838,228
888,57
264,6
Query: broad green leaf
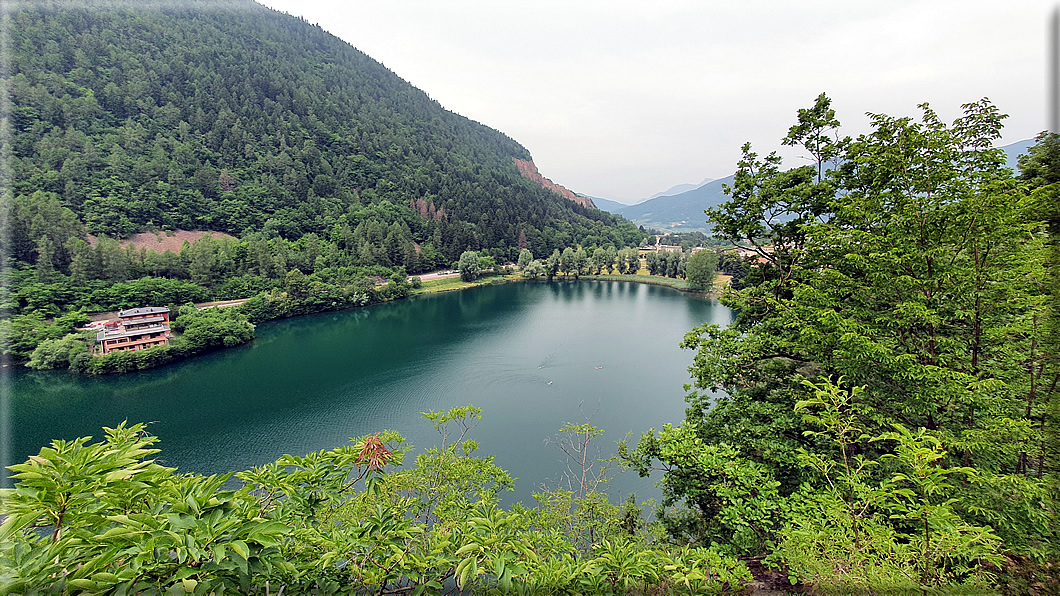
240,548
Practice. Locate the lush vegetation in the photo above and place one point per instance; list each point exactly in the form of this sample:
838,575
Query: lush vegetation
578,261
197,331
890,382
888,421
697,269
105,517
889,417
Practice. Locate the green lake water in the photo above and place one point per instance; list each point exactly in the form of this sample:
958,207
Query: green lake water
532,355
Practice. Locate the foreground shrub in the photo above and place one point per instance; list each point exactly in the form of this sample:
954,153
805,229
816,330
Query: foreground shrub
105,517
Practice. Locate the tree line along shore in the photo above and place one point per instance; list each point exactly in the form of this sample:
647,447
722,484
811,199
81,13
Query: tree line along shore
60,341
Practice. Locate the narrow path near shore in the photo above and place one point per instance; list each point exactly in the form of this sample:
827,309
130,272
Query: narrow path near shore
108,316
437,275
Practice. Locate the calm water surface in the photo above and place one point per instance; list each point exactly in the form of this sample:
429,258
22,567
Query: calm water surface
532,355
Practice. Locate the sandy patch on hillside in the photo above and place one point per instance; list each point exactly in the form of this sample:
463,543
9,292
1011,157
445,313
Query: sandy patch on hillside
165,241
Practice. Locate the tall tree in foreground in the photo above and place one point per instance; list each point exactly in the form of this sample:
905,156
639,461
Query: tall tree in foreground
910,274
1040,169
770,209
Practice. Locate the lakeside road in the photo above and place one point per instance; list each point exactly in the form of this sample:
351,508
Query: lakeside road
434,275
437,275
109,316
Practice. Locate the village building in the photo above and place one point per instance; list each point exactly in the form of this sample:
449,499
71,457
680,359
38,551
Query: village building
745,252
753,256
136,329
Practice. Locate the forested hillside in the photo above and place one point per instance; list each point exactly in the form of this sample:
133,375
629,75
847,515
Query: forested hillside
228,116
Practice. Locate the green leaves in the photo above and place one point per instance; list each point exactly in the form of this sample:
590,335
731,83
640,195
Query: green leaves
328,522
121,522
62,487
903,531
728,501
912,271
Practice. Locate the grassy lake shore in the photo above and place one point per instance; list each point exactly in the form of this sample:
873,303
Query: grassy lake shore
454,284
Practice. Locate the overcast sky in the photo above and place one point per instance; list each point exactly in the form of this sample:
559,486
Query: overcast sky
622,99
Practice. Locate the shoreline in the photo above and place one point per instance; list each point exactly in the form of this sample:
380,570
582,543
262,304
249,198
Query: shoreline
426,288
652,280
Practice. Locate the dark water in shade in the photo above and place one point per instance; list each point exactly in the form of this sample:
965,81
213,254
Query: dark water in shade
527,353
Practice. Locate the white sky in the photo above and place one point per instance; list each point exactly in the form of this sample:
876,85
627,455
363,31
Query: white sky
622,99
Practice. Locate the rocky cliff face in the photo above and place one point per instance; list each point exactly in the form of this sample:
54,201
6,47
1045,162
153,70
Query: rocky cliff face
529,171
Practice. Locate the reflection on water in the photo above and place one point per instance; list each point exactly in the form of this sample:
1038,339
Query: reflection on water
532,355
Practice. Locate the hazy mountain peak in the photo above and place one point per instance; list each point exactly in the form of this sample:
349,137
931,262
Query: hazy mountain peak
677,189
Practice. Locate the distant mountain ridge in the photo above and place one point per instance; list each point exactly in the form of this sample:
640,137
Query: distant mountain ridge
684,210
676,190
1014,151
607,204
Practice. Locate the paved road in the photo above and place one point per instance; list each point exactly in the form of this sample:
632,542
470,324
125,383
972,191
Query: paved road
221,304
107,316
436,275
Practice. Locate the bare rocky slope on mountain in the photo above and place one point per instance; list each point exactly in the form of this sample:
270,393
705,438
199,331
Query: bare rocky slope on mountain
528,170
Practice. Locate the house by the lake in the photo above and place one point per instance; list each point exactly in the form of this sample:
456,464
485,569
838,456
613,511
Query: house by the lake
136,329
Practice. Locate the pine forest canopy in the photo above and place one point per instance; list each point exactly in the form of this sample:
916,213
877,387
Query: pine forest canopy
228,116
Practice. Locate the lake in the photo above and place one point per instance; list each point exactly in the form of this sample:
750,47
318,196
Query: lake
533,355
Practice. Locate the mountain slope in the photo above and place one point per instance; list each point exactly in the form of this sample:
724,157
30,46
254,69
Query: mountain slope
528,170
226,115
683,211
1013,151
618,208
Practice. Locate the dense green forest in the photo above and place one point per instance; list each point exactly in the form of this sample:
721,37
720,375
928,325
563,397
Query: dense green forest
228,116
